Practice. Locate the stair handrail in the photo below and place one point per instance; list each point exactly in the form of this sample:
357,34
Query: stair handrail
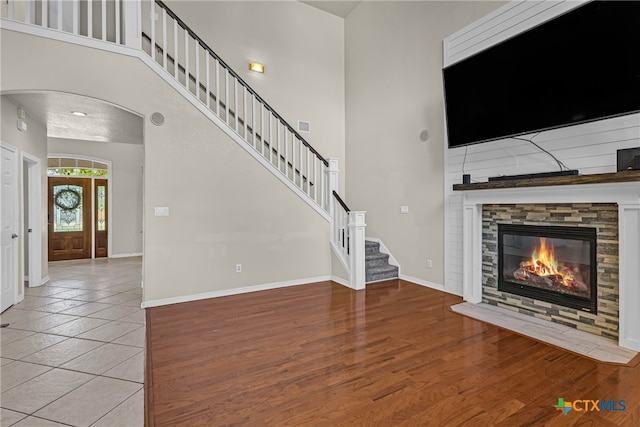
342,203
240,80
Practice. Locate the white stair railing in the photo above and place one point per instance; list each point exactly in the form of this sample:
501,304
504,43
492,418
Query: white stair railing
95,19
186,57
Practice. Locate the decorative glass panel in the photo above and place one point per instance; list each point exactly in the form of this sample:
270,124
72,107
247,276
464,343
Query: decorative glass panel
67,208
101,208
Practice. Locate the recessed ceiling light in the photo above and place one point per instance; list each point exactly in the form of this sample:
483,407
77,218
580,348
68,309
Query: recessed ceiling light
79,113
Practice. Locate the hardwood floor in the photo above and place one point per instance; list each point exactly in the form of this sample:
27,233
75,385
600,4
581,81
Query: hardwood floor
392,355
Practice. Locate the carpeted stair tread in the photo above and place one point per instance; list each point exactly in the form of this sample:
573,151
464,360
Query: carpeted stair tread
377,265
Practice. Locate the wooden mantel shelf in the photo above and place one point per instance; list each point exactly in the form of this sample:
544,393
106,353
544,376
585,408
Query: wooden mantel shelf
600,178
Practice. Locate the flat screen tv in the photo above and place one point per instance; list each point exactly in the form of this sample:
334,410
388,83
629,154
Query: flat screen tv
579,67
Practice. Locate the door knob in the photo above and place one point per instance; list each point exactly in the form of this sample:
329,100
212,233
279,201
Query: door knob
14,236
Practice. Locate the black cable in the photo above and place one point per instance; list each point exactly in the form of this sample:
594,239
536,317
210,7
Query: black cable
560,164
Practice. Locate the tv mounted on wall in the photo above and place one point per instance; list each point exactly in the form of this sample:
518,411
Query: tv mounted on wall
579,67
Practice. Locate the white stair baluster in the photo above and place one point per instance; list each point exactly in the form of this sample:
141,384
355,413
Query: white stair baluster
244,112
208,82
176,59
164,38
262,128
293,157
45,12
253,119
117,18
187,79
307,174
104,20
59,21
76,17
152,17
235,104
226,96
197,55
217,88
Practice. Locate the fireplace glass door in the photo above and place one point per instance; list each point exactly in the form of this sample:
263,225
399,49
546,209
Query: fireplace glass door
552,264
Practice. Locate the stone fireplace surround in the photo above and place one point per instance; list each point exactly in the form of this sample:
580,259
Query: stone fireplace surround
603,217
585,189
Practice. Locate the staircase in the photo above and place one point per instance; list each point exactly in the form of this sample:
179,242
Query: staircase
377,265
151,31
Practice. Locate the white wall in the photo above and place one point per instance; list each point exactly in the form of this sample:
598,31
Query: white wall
126,187
590,148
33,142
225,208
302,49
394,92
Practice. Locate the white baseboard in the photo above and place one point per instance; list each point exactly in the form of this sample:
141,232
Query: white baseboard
436,286
45,279
234,291
341,281
126,255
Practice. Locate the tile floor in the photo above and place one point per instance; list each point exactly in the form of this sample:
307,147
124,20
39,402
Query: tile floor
73,354
584,343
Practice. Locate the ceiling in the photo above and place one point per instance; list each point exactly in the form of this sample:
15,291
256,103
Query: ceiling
104,122
337,8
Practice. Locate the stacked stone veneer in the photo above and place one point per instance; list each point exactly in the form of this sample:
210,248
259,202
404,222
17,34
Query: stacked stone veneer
601,216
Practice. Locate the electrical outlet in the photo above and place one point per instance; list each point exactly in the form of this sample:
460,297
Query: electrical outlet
429,263
238,268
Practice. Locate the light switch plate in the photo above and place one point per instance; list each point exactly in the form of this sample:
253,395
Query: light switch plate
161,211
404,209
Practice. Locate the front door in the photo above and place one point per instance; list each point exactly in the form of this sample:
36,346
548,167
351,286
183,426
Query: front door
8,239
69,218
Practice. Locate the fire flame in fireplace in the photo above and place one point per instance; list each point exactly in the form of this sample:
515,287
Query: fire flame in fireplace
543,268
543,260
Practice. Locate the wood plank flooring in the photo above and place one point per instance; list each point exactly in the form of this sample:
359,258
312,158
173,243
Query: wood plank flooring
392,355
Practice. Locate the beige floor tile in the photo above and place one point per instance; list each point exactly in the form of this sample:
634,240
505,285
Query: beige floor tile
29,345
13,315
8,335
115,312
43,291
124,299
66,283
38,422
131,369
8,418
60,306
110,331
3,362
62,352
136,317
136,338
90,402
15,373
101,359
129,413
77,327
43,323
35,301
71,293
94,296
38,392
87,309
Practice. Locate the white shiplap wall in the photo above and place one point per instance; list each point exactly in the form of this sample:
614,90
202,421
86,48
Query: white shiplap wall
590,147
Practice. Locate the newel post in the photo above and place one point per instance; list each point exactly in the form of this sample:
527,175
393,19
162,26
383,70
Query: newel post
356,249
332,172
132,23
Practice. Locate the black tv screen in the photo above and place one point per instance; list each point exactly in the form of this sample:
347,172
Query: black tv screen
581,66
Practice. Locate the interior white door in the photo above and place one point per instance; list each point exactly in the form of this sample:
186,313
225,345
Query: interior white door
8,227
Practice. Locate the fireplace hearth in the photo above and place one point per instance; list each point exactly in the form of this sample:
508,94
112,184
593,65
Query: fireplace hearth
549,263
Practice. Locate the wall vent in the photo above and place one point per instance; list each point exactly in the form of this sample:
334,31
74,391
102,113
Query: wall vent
304,126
